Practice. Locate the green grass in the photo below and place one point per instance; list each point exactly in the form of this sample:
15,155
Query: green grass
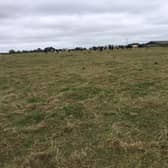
84,109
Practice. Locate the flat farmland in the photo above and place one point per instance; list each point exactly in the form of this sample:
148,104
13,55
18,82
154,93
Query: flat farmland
86,109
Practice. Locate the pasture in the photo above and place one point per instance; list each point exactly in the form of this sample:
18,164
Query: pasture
85,109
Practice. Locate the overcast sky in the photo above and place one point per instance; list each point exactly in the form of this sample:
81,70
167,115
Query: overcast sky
29,24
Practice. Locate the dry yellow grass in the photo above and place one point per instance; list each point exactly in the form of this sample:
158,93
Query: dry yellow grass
84,109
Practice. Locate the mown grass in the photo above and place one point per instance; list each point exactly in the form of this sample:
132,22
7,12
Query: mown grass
84,109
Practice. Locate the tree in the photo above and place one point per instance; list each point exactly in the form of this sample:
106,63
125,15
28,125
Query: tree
12,51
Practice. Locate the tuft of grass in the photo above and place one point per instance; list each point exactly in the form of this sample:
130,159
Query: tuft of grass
142,88
82,93
33,118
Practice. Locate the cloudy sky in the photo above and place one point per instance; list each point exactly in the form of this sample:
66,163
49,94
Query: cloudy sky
29,24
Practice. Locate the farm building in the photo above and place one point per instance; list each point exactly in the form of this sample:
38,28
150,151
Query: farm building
157,44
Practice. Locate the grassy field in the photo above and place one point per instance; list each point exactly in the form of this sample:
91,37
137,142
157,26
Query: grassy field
84,109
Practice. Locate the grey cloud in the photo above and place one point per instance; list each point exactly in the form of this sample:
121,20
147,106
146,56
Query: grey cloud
77,7
27,24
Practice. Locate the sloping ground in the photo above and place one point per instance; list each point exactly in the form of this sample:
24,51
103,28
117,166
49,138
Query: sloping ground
84,110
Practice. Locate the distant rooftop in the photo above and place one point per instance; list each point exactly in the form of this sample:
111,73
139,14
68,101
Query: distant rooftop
158,42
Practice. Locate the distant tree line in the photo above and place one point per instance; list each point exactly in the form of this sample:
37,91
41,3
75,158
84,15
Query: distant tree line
94,48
